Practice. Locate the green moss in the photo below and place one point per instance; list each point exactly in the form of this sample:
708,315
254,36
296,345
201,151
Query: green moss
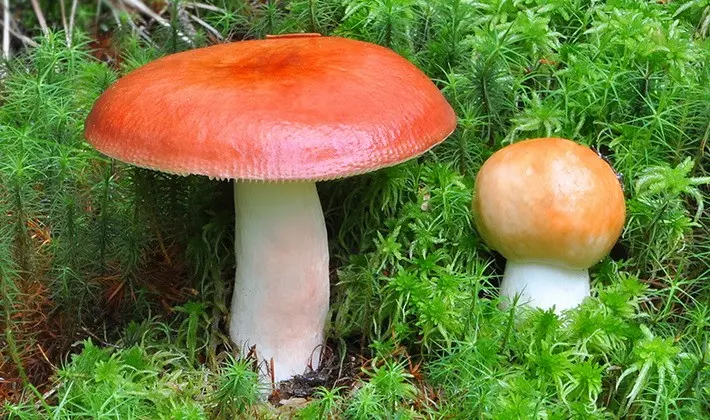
140,262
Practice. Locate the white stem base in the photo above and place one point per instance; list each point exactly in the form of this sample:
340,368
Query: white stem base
281,291
544,286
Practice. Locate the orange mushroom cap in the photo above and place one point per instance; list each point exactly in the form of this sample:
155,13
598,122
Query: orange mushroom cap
286,108
549,200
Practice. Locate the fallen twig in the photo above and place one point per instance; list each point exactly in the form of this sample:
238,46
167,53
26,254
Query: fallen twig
40,17
65,25
141,7
25,39
209,7
6,29
102,342
207,26
71,20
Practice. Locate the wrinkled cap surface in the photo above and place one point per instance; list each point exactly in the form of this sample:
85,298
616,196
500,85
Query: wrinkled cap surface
549,200
284,108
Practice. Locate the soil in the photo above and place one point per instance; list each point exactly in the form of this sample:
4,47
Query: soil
336,370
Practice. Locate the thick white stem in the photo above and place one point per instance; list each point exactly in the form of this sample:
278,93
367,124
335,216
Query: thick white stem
544,286
281,292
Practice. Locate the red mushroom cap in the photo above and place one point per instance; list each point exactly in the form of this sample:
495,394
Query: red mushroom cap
285,108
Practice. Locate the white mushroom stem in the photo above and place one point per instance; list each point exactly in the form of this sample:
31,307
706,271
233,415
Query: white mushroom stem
543,285
281,291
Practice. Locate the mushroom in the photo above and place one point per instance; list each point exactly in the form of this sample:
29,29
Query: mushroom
276,115
552,208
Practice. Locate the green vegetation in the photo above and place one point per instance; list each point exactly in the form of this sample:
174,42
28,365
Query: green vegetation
115,280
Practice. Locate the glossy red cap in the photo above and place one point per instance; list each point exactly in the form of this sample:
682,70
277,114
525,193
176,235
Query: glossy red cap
300,107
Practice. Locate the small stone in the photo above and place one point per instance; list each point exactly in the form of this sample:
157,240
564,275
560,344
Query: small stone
294,402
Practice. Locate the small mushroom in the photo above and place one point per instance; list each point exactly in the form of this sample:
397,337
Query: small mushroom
276,115
552,208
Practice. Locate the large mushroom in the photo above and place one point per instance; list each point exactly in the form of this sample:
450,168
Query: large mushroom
276,115
552,208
